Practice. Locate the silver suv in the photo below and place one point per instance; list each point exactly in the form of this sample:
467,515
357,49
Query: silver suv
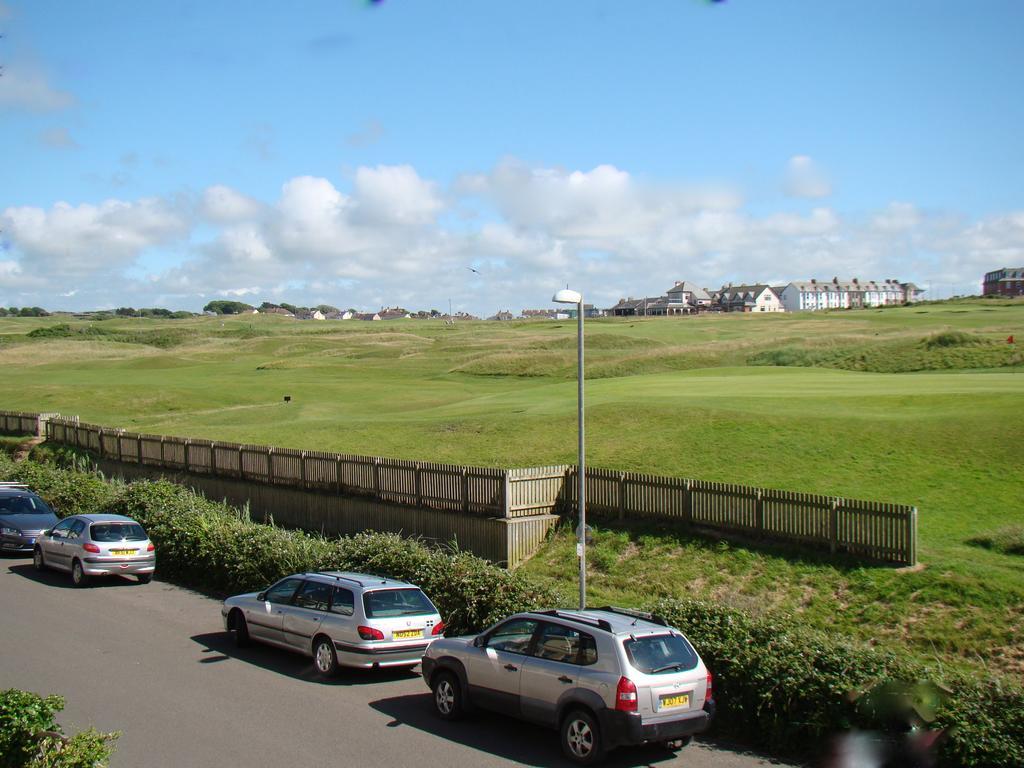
340,619
603,677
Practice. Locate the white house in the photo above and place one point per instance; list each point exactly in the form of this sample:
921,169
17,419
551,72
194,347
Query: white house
835,294
759,297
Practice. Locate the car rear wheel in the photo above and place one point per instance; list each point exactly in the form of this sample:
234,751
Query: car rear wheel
145,578
447,696
324,658
676,744
581,738
37,559
241,629
78,576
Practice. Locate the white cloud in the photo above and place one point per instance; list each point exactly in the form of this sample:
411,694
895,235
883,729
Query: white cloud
224,205
73,241
805,179
388,239
22,87
395,194
58,138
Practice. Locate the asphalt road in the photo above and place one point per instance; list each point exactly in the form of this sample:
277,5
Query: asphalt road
152,661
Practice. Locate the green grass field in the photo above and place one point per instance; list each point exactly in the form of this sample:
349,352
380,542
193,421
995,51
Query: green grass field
919,405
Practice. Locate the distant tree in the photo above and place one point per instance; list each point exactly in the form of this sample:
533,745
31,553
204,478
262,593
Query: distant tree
3,311
180,315
154,312
12,311
227,307
268,305
290,307
32,312
126,312
326,308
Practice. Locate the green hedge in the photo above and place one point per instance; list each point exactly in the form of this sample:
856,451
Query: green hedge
31,738
779,684
788,688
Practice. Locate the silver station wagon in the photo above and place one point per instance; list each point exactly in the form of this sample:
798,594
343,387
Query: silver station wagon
96,545
340,619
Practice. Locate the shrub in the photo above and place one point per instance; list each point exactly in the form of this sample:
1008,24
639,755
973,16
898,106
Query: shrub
787,687
30,736
1009,540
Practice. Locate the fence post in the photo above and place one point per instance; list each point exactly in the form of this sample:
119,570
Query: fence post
102,452
188,442
417,481
213,458
506,494
140,449
302,469
241,462
376,477
337,472
163,460
912,537
465,490
120,452
688,502
833,527
270,465
759,514
622,495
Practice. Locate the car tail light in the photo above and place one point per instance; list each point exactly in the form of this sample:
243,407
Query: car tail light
90,547
708,694
369,633
150,548
625,695
438,628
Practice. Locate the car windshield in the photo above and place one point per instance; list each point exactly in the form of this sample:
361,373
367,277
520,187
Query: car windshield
658,654
382,603
23,505
117,532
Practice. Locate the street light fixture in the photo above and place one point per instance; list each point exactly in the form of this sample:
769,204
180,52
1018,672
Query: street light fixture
567,296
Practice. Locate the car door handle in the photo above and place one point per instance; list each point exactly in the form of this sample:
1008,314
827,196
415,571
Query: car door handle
564,679
511,667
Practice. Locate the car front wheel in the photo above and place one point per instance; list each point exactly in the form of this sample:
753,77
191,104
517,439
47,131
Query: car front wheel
37,559
241,629
324,657
581,738
78,576
145,578
447,696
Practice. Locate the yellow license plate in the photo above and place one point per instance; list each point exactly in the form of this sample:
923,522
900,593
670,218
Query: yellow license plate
122,551
675,701
405,634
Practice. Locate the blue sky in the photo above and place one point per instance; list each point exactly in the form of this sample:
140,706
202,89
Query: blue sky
365,154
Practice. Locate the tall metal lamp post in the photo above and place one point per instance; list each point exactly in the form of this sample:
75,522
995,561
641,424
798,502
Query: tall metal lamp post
566,296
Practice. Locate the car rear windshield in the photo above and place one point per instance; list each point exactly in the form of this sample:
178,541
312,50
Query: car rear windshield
23,505
660,654
382,603
117,532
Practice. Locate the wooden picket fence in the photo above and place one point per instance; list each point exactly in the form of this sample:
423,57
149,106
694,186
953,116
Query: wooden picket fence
872,530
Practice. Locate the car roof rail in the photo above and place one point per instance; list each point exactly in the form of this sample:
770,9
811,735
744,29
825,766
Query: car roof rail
644,615
12,484
592,621
338,576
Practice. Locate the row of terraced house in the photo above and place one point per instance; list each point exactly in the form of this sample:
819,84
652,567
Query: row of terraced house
685,298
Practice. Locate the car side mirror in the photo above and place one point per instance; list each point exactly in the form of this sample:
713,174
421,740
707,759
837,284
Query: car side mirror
47,532
261,596
479,641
